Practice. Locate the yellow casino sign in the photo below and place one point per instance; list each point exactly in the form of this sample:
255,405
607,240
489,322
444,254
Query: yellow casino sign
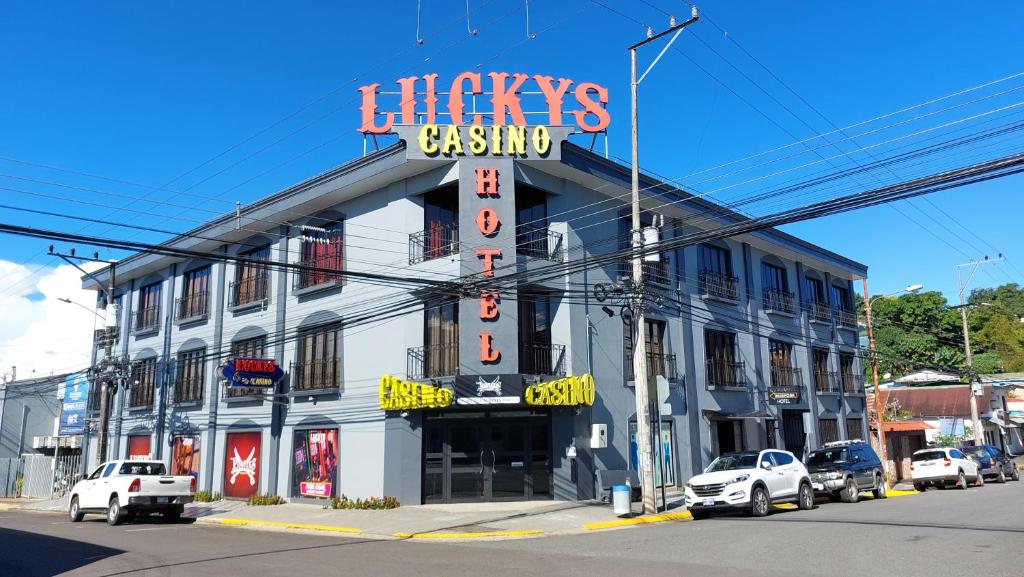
565,392
399,395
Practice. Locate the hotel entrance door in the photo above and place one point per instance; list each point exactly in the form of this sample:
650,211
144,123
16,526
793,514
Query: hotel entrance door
486,457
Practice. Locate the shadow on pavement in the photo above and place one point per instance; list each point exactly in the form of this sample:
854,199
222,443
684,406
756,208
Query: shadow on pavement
891,524
38,555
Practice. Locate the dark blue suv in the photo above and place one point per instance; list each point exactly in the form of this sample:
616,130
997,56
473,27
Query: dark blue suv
994,463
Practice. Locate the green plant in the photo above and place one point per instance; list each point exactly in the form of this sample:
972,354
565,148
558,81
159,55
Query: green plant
266,499
207,497
371,503
19,483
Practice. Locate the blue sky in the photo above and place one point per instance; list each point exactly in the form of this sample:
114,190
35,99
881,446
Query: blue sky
230,101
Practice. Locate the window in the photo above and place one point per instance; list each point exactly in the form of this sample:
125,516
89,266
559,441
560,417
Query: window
189,385
195,294
828,430
532,222
841,298
715,260
322,249
956,454
658,363
537,355
854,428
715,277
144,373
781,458
440,223
96,473
109,469
775,289
148,316
814,299
254,348
720,355
653,271
780,356
319,359
439,356
774,277
822,378
251,278
851,381
815,290
144,469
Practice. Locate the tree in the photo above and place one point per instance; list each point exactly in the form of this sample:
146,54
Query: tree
1005,336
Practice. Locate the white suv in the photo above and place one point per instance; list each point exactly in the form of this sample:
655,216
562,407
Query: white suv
749,481
943,466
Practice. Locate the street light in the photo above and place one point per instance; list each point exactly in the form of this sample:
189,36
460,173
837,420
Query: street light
69,301
879,416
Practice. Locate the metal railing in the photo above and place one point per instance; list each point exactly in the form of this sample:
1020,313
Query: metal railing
658,363
818,312
141,395
540,359
826,381
726,373
774,300
853,384
316,375
436,241
655,272
310,278
250,290
539,242
786,376
147,319
846,319
193,306
433,362
188,389
718,285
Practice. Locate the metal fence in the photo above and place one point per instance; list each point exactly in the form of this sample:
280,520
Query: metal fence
43,476
10,469
37,471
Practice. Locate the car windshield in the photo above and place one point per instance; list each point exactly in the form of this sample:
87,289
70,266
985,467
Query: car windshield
979,452
732,461
929,455
143,469
825,457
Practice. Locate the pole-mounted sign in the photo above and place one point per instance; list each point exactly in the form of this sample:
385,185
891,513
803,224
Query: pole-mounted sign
252,372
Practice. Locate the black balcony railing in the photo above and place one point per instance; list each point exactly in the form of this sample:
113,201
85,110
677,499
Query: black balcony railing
853,384
539,242
818,312
323,275
436,241
193,306
726,373
316,375
777,301
540,359
655,272
435,361
248,291
786,377
188,389
658,363
826,381
146,319
846,319
718,285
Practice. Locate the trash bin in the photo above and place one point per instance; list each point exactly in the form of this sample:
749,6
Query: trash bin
620,500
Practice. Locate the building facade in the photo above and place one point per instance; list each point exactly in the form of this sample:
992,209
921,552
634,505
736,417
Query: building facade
463,374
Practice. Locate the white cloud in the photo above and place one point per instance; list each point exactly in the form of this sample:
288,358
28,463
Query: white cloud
39,334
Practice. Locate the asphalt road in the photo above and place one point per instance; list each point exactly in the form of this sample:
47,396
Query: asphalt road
977,532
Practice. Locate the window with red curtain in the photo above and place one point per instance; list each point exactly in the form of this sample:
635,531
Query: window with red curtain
322,249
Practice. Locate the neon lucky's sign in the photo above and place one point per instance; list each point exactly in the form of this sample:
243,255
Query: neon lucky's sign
419,102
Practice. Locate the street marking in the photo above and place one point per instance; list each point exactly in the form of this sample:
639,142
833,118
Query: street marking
638,521
283,525
469,535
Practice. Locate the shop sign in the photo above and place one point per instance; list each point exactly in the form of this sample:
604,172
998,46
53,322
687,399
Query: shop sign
316,462
241,467
251,372
399,395
784,395
565,392
489,389
76,398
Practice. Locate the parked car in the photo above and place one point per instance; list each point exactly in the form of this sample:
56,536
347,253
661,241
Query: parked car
749,481
842,470
125,488
943,467
994,463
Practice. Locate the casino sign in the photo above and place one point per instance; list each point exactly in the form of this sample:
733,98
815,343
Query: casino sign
252,372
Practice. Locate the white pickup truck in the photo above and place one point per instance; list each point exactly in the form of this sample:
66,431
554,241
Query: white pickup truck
124,488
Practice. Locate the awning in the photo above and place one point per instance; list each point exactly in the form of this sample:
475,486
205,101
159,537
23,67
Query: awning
903,426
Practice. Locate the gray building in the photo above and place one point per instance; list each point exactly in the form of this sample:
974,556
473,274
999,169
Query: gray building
29,408
755,335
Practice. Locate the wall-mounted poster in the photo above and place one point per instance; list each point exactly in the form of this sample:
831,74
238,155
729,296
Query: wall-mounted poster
315,463
242,465
139,447
185,456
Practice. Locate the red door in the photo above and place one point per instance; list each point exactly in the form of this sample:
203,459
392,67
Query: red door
242,465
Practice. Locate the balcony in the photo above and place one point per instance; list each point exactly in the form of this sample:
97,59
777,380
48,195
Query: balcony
658,363
726,373
786,377
146,320
322,275
853,384
437,241
541,359
432,362
192,307
188,390
249,291
777,301
818,312
140,396
846,319
826,382
654,272
718,286
539,242
321,375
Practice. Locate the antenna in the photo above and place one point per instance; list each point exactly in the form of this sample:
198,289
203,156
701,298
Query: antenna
529,35
472,31
419,39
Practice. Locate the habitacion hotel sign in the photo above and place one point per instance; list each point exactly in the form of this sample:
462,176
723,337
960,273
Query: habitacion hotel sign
496,124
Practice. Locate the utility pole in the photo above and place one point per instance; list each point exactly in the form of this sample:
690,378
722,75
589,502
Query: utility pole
976,389
643,406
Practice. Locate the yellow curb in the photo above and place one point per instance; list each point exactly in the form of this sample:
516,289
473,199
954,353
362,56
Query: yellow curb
893,493
638,521
244,522
785,506
468,535
8,506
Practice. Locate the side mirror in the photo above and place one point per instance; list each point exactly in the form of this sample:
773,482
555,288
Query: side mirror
766,465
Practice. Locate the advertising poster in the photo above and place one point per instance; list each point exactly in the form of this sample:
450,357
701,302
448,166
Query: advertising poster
241,466
315,463
139,447
76,397
185,456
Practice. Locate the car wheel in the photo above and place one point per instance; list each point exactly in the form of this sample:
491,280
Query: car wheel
880,491
74,511
961,481
759,502
1015,475
1002,477
698,515
850,491
980,481
806,500
114,513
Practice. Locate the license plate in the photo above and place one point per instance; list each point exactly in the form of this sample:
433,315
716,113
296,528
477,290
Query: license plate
708,502
819,487
161,499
